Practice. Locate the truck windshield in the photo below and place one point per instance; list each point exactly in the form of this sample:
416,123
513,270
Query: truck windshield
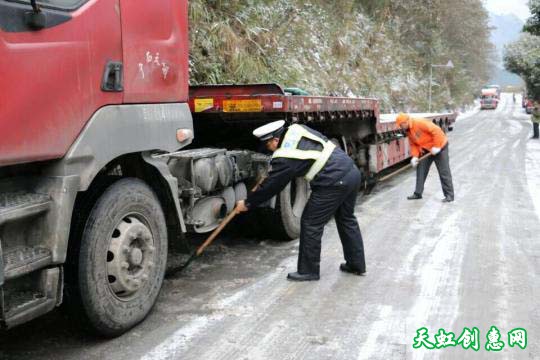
58,4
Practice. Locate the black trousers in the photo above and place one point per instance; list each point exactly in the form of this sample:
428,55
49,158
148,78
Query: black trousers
442,160
338,201
535,130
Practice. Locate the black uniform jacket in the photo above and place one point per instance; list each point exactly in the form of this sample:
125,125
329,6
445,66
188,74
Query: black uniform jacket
283,170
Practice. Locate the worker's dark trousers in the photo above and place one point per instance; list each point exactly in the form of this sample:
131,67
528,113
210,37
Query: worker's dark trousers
535,130
442,161
338,201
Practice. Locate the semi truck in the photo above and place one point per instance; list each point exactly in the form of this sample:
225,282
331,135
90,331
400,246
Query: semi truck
108,156
489,99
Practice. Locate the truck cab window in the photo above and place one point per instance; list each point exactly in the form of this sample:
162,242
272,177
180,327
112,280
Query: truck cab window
57,4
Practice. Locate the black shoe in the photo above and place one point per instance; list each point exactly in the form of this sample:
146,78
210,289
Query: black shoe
302,277
414,196
448,199
349,269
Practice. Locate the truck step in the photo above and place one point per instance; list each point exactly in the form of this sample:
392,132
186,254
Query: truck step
22,260
20,305
20,300
17,205
27,306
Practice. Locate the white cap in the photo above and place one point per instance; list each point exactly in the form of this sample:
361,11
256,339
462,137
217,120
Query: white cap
266,132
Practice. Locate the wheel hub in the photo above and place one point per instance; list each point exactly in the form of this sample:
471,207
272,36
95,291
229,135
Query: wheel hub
129,257
136,256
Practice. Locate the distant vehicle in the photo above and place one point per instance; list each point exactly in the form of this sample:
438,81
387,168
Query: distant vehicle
529,106
489,99
496,87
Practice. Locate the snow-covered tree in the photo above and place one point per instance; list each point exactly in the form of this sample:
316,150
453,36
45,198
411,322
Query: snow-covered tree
523,58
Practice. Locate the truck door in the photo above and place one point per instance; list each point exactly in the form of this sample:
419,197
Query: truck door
155,44
52,73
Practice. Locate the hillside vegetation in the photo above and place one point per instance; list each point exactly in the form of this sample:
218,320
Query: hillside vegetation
522,57
380,48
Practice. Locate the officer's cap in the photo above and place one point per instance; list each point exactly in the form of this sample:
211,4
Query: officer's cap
270,130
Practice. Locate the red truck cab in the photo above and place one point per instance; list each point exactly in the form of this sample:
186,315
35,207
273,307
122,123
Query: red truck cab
489,99
89,90
87,55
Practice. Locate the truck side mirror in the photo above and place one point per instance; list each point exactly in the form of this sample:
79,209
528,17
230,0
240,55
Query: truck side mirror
35,19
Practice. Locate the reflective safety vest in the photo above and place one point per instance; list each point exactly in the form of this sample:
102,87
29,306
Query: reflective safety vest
289,149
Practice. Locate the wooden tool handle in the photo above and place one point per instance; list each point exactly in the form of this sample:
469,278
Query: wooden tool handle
224,223
216,232
259,182
403,168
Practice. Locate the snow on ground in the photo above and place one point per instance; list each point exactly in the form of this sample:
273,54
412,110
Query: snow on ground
532,166
519,111
471,111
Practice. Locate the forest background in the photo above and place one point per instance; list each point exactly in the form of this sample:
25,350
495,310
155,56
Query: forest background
374,48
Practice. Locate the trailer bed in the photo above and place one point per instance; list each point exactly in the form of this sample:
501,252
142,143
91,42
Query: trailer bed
237,101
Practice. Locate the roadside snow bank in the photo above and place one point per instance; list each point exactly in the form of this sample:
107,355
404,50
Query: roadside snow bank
469,111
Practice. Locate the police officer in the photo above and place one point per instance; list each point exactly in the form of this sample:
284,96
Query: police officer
334,180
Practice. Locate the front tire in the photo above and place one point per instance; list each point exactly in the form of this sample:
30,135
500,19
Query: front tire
122,257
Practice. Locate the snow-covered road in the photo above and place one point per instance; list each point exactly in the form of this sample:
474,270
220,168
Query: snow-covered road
474,263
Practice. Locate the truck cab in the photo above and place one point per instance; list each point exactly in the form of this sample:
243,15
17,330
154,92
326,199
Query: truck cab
91,89
99,171
489,99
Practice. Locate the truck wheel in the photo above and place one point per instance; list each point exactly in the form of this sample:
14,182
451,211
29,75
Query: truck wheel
122,257
290,203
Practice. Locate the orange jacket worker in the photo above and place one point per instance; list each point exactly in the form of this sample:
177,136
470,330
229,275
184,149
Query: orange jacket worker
424,137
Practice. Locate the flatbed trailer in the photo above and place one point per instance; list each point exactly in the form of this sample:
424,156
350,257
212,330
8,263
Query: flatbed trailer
392,147
355,124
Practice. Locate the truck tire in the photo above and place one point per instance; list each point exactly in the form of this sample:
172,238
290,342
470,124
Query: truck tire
122,259
283,222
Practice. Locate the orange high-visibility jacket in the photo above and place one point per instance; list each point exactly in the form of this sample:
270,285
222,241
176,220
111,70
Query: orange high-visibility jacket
423,134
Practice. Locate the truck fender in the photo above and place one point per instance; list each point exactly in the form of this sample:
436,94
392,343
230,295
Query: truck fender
116,130
161,166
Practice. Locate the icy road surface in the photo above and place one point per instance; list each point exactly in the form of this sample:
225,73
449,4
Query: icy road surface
471,263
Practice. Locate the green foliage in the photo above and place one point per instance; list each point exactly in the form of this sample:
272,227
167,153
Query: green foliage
523,58
380,49
532,25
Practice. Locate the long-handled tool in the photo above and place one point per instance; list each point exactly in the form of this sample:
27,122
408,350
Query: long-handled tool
399,171
209,240
216,232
